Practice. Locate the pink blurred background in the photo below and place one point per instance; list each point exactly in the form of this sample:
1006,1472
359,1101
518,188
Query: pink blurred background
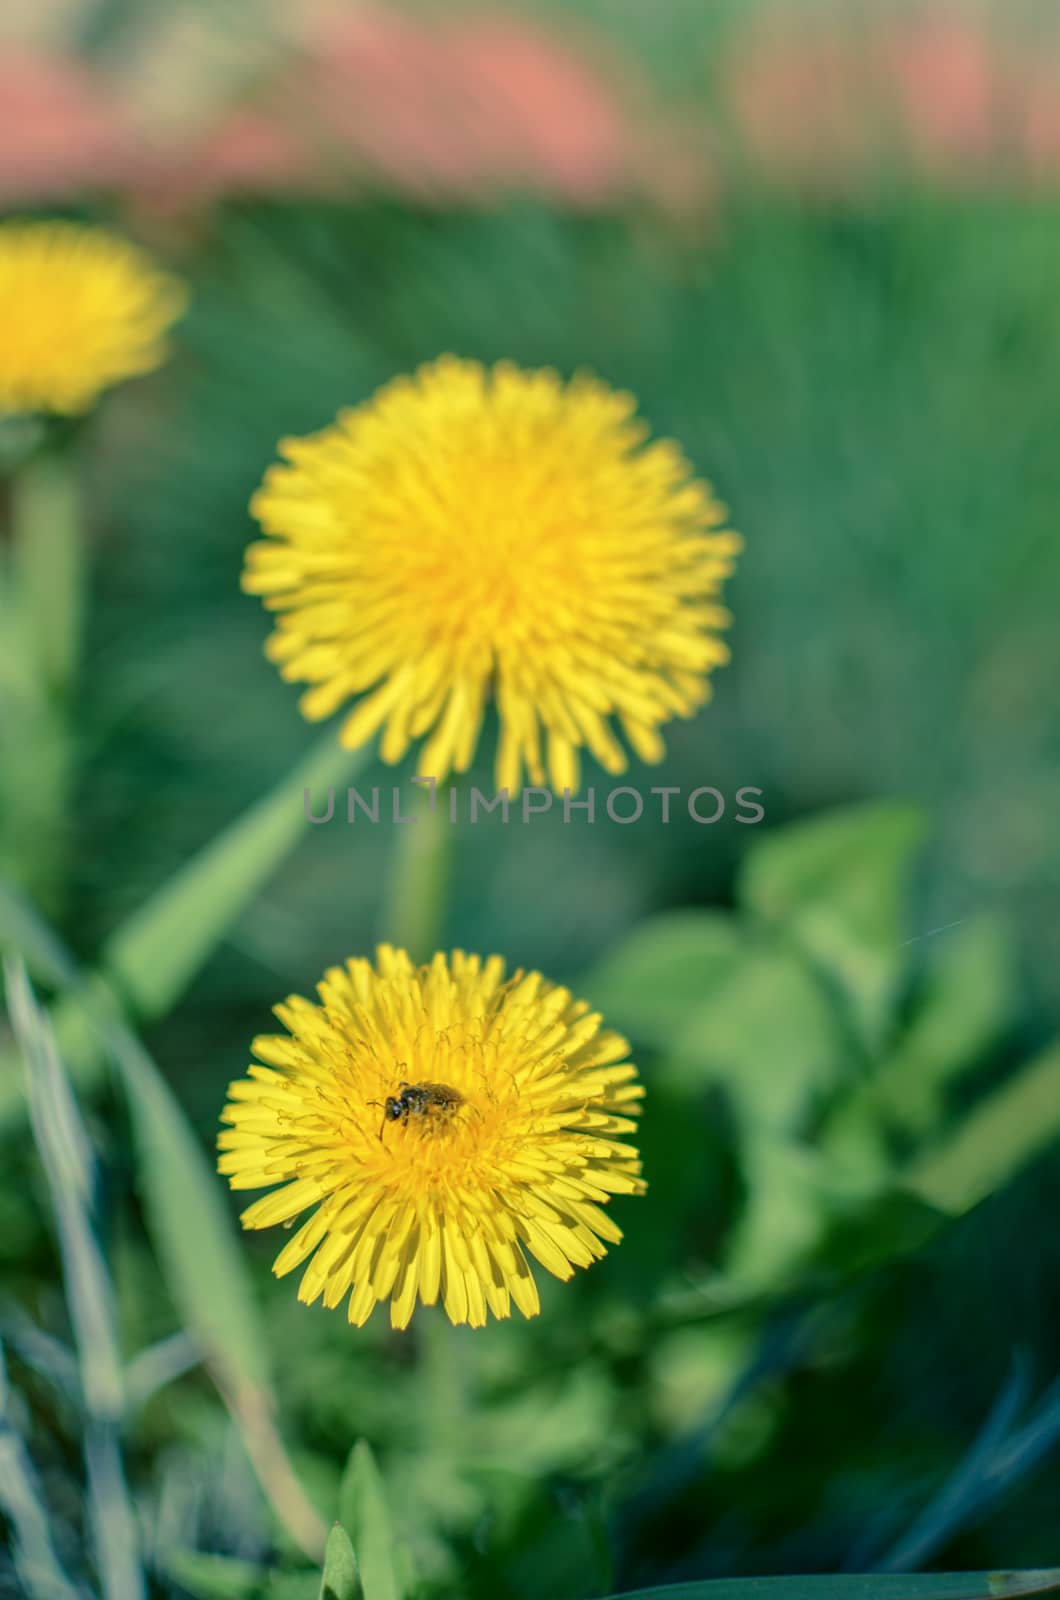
458,105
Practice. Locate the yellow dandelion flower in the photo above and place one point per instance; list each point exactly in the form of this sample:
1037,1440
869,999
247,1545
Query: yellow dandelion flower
471,532
80,309
444,1123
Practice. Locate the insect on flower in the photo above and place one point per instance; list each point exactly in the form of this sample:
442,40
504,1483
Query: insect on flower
512,1147
419,1100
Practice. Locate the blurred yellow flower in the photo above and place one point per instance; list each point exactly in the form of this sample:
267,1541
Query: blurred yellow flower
80,309
470,531
443,1122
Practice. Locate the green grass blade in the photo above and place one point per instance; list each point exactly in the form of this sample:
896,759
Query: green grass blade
874,1586
198,1252
68,1163
190,1224
339,1580
999,1456
22,1507
112,1514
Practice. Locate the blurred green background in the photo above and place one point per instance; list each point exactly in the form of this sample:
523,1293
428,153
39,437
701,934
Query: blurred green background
824,253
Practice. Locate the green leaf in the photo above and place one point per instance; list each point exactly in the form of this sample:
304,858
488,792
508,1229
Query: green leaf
364,1515
995,1141
766,1028
339,1580
653,980
784,1213
961,1010
838,884
874,1586
149,961
743,1010
865,1217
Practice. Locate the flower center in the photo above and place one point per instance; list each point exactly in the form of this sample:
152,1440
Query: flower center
499,554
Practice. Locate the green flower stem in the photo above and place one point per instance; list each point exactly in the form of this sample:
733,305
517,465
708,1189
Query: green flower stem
43,606
445,1414
49,565
414,904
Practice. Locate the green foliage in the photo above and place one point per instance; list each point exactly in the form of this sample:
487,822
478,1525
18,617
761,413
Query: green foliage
68,1161
149,960
995,1140
152,957
838,885
805,1028
23,1507
664,969
208,1577
960,1011
190,1230
339,1580
363,1509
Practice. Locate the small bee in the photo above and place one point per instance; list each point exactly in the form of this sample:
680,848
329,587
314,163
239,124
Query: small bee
418,1100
